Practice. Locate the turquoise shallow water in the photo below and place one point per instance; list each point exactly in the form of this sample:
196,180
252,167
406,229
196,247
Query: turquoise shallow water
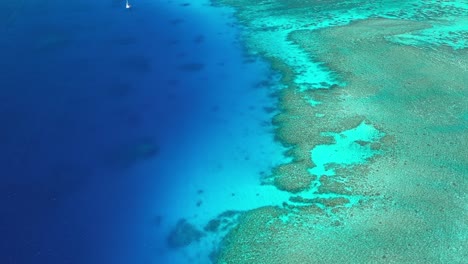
346,150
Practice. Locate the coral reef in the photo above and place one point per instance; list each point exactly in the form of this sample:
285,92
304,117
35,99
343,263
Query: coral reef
374,113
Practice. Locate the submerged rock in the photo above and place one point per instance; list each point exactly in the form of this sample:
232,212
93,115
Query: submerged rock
183,234
213,225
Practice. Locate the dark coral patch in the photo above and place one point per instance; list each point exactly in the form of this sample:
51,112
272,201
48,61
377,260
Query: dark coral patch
183,234
213,225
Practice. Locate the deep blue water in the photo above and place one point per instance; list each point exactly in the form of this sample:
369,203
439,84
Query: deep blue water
88,92
98,105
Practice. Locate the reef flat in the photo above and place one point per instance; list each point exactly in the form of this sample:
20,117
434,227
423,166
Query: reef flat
374,112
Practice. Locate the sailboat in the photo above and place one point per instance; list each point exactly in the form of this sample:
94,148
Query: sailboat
127,5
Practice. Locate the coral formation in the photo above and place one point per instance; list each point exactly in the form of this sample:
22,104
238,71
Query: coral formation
183,234
374,113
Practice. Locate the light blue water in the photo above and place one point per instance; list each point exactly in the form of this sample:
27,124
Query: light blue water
114,119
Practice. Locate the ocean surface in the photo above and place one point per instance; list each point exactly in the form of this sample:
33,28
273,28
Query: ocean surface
117,123
232,131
